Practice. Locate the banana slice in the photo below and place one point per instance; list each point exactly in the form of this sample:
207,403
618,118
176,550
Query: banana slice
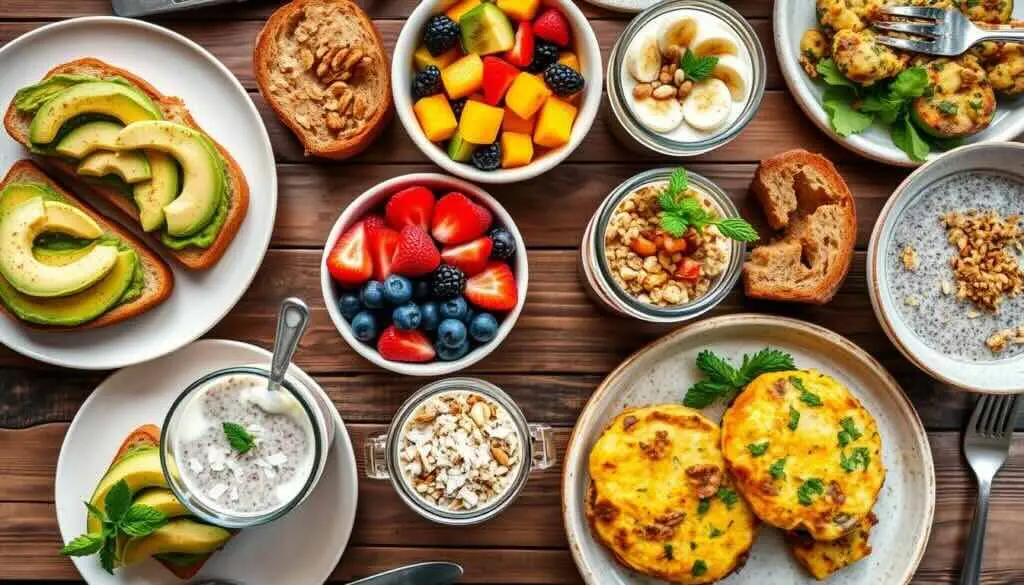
677,33
707,107
658,115
716,46
644,59
728,70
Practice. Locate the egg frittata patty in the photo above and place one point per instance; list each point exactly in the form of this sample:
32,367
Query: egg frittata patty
821,559
959,100
989,11
863,60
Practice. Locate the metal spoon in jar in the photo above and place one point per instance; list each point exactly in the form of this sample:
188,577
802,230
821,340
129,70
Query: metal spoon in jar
292,321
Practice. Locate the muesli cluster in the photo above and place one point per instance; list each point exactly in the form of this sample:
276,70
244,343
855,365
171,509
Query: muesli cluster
460,451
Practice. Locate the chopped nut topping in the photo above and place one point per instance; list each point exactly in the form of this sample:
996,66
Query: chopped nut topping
985,269
706,478
1000,340
909,258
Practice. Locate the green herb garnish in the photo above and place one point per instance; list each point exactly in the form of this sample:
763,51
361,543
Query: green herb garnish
778,469
703,507
806,396
239,438
681,211
850,432
697,68
757,449
715,532
860,457
669,552
728,497
808,490
794,418
724,379
699,568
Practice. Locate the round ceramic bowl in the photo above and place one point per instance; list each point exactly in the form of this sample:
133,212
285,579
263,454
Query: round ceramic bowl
967,364
587,50
373,199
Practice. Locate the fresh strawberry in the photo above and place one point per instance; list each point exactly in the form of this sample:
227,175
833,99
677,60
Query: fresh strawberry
521,53
373,222
349,262
458,220
412,206
688,269
400,345
415,254
498,76
494,289
552,26
470,258
382,242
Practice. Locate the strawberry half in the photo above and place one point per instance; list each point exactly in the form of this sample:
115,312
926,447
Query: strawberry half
458,220
494,289
412,206
349,262
521,53
498,76
552,26
404,346
383,241
415,254
470,258
373,222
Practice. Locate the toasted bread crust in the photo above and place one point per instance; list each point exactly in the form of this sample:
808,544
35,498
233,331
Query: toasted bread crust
192,257
159,278
265,57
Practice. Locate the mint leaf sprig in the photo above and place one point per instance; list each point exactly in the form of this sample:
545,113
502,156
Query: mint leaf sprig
238,437
682,210
724,380
697,68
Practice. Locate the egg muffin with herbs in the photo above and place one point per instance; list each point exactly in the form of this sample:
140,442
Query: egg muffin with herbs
863,60
660,498
804,453
959,100
822,559
1004,65
855,15
988,11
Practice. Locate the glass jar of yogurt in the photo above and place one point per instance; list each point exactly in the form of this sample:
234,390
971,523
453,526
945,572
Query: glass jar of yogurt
684,78
459,451
237,454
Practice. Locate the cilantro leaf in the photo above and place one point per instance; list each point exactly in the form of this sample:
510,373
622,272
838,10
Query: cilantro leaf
849,432
830,74
905,136
737,228
778,469
757,449
725,379
794,418
764,361
141,520
703,507
681,210
715,532
717,368
679,182
808,490
117,501
697,68
806,396
844,119
239,438
886,107
83,546
728,497
860,457
673,224
704,393
699,568
911,83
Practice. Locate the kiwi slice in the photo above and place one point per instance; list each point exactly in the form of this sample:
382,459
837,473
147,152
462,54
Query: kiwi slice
486,30
460,150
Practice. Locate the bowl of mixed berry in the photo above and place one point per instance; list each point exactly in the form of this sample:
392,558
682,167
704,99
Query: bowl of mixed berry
424,274
500,91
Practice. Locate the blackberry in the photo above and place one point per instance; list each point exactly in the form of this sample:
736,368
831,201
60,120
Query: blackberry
544,54
457,106
504,243
440,34
426,82
487,158
563,80
447,282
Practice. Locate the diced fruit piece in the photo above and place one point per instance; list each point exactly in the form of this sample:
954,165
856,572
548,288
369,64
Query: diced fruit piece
412,206
427,83
569,59
511,122
554,124
404,346
436,117
516,150
521,10
382,244
416,254
349,262
498,76
464,76
526,95
643,247
688,269
552,26
544,53
521,53
486,30
504,243
470,258
456,11
458,220
441,34
494,289
488,157
460,149
422,58
480,122
563,80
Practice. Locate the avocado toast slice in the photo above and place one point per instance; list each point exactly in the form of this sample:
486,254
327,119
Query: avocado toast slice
150,280
196,249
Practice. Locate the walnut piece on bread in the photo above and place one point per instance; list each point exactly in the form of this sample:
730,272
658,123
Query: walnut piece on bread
802,194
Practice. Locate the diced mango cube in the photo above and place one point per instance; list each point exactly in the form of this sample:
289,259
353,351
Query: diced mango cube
436,117
456,10
554,124
521,10
513,123
516,149
463,77
526,95
480,122
422,58
569,58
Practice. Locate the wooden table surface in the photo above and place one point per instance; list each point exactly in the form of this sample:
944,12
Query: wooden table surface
559,351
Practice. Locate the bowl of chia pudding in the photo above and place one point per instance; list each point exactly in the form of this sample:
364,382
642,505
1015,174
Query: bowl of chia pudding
945,268
238,454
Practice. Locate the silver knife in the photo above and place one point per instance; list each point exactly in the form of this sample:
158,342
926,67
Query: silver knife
434,573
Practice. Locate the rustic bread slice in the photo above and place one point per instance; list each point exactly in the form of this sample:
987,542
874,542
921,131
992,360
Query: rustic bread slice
803,194
322,67
159,279
17,125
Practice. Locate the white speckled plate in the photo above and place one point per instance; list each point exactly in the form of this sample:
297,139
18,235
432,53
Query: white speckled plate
661,372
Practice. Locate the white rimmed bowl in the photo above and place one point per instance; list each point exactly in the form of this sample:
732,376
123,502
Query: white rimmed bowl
374,199
587,50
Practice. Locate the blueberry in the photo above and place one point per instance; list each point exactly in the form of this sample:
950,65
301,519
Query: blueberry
450,354
504,244
483,327
372,295
397,289
407,316
430,316
349,305
364,326
468,317
454,309
451,333
421,290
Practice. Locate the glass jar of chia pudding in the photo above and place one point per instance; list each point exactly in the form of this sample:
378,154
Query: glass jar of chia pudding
237,454
459,451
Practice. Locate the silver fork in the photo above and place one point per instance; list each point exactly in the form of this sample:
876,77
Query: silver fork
986,445
947,33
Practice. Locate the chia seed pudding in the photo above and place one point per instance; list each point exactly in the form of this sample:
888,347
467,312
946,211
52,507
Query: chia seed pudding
268,475
925,296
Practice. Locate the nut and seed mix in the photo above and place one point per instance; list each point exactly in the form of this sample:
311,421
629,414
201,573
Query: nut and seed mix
985,268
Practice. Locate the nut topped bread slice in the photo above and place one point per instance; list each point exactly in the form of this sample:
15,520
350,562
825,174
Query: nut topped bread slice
322,66
802,194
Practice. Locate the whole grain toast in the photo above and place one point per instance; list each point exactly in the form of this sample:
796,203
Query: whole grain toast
158,276
17,125
802,194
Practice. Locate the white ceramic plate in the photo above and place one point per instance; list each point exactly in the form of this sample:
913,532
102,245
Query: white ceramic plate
273,554
791,19
176,66
661,372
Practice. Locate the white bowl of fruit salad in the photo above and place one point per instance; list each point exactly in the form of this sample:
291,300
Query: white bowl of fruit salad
424,274
497,92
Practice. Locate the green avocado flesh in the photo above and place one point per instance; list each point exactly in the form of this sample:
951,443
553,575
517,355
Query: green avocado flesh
131,166
140,469
88,138
162,500
459,149
104,98
179,536
153,195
